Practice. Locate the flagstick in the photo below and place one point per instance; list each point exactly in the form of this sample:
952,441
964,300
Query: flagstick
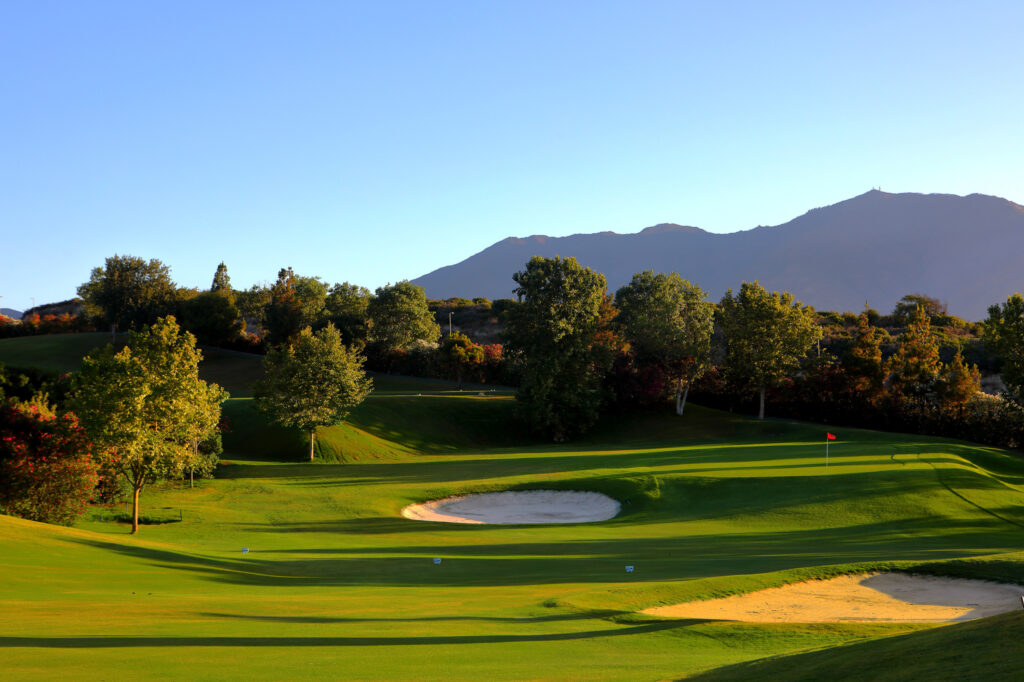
826,452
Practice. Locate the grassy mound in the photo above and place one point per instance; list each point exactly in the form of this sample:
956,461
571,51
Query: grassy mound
336,583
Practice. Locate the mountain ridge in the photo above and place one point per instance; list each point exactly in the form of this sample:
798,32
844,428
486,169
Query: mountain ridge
874,247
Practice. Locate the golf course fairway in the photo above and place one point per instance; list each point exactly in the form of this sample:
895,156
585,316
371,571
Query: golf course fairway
336,584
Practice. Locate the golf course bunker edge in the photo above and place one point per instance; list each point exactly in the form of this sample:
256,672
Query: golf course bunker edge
517,506
859,598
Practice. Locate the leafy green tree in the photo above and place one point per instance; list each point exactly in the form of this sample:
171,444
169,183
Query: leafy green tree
221,281
913,370
399,318
129,292
461,355
668,321
554,329
212,316
145,405
312,382
1004,334
295,302
766,335
346,307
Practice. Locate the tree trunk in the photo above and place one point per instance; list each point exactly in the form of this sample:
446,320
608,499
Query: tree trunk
458,373
192,467
681,394
312,437
135,510
760,413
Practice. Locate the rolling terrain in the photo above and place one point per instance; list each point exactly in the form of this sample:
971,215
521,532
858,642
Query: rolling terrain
335,584
876,247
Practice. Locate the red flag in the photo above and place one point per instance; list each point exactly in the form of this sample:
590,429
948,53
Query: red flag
829,436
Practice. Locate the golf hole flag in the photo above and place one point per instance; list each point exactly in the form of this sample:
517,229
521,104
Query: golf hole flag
828,437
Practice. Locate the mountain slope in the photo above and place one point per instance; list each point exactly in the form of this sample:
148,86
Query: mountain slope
876,247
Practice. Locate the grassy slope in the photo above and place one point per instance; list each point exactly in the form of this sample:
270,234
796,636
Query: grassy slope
337,584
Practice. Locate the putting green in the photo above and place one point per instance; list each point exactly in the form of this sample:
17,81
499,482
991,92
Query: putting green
337,584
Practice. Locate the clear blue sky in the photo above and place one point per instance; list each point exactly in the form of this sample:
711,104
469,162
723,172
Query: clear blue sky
372,142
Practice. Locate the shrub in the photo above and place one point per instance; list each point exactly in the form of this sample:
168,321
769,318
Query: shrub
46,468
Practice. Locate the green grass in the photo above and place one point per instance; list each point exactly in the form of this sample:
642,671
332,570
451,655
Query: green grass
337,585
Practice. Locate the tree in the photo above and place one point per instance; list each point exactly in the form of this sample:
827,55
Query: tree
399,318
766,335
213,317
46,468
461,355
146,405
554,330
221,281
668,322
295,302
312,382
346,306
906,307
913,370
863,362
1004,334
958,381
129,292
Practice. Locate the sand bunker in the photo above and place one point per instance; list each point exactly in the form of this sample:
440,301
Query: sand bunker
526,506
873,597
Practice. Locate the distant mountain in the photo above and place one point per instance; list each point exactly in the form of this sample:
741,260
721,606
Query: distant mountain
877,247
11,312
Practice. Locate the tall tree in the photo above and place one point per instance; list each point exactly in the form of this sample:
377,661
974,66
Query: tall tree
146,404
212,316
295,302
399,318
863,361
312,382
554,330
1004,334
766,335
221,281
668,321
129,292
346,306
913,370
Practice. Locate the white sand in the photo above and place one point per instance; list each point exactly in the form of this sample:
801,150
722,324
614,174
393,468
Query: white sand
873,597
526,506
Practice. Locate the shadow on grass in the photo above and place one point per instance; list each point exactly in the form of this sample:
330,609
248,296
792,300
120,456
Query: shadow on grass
91,642
590,561
585,615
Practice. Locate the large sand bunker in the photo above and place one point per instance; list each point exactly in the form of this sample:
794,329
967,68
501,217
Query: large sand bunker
525,506
873,597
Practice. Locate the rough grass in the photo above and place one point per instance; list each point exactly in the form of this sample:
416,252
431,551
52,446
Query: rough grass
337,585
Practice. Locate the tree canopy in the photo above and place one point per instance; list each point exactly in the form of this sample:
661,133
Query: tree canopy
145,405
668,321
129,292
399,318
554,330
312,382
294,302
766,335
1004,333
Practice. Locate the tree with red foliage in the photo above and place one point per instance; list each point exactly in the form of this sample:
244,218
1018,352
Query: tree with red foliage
46,467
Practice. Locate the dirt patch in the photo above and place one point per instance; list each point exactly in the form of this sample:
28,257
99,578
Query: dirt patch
525,506
873,597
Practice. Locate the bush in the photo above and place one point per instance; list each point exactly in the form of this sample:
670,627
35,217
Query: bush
46,468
